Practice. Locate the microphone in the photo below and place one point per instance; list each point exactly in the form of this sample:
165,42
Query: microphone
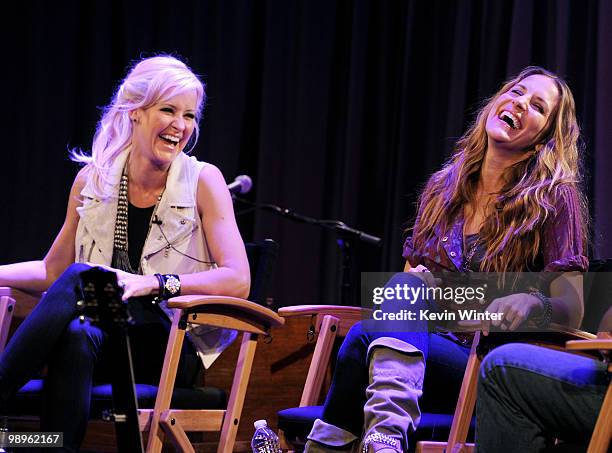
242,184
156,220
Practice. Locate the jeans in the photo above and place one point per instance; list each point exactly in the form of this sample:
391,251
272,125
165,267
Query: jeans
74,353
346,397
528,395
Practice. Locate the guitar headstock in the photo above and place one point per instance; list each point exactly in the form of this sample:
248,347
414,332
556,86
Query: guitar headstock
102,303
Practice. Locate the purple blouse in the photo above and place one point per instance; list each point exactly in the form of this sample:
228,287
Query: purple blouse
562,251
562,244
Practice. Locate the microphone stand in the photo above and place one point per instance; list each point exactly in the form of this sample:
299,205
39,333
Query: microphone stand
346,235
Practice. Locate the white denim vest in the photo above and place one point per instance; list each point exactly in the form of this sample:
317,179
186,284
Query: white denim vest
181,225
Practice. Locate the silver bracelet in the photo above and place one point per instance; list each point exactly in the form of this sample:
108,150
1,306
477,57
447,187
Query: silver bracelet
543,321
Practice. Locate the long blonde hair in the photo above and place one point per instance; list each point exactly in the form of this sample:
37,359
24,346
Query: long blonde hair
534,186
150,81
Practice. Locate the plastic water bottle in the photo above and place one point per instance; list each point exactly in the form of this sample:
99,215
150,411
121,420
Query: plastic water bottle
4,435
264,440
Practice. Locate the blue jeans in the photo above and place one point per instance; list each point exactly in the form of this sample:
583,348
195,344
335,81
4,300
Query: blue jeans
73,351
346,397
528,395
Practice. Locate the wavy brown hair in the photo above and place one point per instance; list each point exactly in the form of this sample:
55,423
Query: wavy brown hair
534,188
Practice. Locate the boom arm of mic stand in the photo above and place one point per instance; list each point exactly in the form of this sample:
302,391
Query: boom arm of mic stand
342,228
336,225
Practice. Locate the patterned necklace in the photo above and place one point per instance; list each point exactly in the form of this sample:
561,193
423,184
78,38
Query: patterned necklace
121,258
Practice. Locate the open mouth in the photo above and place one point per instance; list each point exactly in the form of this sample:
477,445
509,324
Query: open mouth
510,119
170,139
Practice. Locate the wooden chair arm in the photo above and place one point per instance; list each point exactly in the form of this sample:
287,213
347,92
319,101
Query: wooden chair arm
226,305
554,334
18,293
17,304
555,337
312,310
25,301
553,329
571,332
589,345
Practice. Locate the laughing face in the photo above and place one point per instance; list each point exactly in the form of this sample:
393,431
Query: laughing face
521,114
163,130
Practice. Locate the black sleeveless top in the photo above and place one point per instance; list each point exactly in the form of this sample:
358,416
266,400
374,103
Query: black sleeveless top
138,228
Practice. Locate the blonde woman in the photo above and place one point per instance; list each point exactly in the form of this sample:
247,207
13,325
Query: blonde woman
508,200
161,219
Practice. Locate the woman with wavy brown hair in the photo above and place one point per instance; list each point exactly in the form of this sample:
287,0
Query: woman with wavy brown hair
508,200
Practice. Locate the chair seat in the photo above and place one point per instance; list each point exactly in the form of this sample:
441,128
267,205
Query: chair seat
296,423
28,399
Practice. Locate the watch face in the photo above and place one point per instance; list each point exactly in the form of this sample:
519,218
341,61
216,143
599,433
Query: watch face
173,284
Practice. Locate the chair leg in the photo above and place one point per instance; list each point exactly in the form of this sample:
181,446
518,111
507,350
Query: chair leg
463,412
316,374
7,307
175,431
602,434
467,399
440,447
238,393
284,444
166,384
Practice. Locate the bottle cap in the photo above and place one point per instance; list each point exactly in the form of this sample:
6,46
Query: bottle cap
260,424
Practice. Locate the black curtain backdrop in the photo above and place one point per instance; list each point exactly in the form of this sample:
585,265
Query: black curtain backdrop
338,110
